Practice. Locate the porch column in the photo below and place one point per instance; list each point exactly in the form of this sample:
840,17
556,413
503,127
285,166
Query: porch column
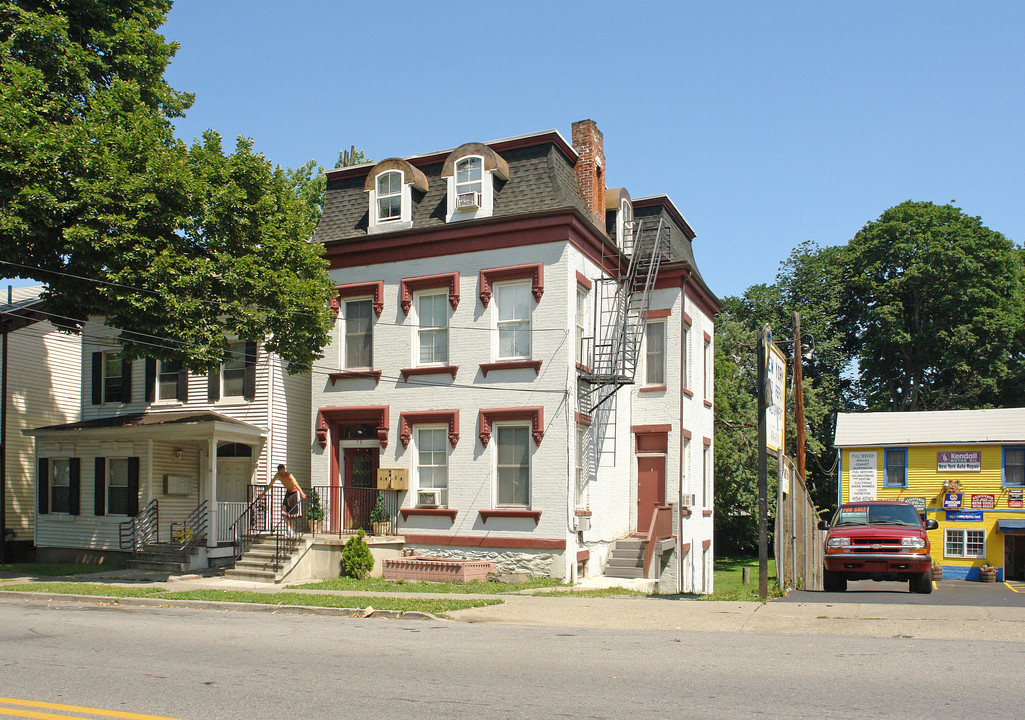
211,494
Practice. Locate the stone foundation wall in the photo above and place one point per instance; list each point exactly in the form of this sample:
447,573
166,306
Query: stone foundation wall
506,561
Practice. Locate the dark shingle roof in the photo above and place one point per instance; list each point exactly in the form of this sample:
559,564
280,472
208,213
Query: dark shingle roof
149,419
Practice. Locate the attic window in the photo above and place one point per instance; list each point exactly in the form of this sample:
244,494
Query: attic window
471,172
389,196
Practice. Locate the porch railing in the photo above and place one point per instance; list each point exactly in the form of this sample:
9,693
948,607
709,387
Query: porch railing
191,531
349,510
141,530
227,514
660,528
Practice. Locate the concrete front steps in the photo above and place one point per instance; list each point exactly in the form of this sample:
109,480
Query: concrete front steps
258,565
626,559
162,558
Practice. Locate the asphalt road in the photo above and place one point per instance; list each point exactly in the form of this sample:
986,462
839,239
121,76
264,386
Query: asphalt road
945,592
227,665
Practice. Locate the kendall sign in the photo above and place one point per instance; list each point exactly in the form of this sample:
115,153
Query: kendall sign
968,461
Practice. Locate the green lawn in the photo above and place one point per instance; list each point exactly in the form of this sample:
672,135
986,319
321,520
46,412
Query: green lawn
728,580
474,587
434,606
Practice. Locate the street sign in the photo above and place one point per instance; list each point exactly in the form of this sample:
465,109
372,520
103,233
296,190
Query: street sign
775,412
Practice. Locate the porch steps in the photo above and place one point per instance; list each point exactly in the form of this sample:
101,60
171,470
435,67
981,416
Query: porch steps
626,559
258,565
160,557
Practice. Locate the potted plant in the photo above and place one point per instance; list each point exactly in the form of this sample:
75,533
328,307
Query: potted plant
987,573
379,517
314,511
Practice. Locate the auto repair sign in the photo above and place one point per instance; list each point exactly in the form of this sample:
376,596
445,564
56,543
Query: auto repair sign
968,461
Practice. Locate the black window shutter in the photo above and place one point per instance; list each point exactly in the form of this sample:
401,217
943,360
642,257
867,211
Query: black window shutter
213,385
44,486
100,487
249,378
133,486
75,486
126,381
183,385
151,380
97,378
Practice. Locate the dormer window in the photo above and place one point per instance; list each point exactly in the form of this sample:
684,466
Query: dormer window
625,226
389,196
619,217
471,173
394,187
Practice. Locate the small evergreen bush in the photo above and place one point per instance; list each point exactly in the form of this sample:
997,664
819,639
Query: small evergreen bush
314,509
357,562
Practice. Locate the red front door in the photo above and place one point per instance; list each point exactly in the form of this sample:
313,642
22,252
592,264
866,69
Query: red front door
360,486
651,488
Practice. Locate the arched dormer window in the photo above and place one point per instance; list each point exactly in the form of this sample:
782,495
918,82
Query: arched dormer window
391,185
619,212
471,171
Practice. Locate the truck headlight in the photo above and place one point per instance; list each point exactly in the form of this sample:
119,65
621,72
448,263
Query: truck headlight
838,542
916,543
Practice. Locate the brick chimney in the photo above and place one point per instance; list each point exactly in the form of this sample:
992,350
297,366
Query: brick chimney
590,169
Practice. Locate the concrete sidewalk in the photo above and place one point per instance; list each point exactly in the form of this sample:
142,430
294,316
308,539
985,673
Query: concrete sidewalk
952,622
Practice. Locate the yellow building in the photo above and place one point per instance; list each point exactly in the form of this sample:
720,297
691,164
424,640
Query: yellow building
963,468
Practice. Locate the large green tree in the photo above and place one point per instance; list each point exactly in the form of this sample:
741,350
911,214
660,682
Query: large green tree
932,309
175,245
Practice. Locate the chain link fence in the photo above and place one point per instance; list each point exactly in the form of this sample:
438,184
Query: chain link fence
798,539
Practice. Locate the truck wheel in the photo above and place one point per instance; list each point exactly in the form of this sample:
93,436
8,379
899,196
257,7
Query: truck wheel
833,581
921,583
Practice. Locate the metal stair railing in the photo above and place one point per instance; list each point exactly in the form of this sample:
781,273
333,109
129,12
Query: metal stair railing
191,531
143,529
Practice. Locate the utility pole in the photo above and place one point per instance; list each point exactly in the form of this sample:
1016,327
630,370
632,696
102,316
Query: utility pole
799,395
764,339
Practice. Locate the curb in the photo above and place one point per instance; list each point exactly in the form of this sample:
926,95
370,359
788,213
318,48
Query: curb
354,612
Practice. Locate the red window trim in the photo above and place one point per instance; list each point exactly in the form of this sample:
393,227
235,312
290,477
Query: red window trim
352,374
450,513
688,393
534,272
639,429
687,320
654,314
706,441
582,419
708,403
708,338
489,416
706,513
375,289
511,365
686,434
424,417
509,513
377,414
705,544
583,281
583,555
652,388
582,513
429,370
685,548
685,513
428,282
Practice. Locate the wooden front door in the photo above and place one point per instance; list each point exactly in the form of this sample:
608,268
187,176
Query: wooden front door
651,488
360,486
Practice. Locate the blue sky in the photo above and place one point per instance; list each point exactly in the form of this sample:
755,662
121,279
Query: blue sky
767,123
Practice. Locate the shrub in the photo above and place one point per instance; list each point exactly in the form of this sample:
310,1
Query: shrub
357,562
314,510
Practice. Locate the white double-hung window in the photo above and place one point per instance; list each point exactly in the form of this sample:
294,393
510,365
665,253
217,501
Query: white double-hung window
514,301
389,196
512,451
359,336
469,177
655,353
432,328
432,460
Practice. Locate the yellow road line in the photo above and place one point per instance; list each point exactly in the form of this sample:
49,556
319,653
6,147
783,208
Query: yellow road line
69,708
1015,587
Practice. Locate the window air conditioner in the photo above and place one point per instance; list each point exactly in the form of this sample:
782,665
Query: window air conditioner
687,499
428,498
468,201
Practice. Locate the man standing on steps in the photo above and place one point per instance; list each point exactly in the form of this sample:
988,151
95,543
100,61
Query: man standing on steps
291,507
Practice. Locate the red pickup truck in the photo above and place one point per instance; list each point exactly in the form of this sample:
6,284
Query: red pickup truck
877,540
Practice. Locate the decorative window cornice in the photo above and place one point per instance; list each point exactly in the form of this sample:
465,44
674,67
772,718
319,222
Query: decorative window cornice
534,515
535,272
408,419
535,365
374,415
489,416
374,289
410,175
428,282
429,370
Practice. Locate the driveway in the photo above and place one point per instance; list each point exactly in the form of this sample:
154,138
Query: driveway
945,592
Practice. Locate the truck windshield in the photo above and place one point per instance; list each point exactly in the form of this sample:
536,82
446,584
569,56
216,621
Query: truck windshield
896,514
